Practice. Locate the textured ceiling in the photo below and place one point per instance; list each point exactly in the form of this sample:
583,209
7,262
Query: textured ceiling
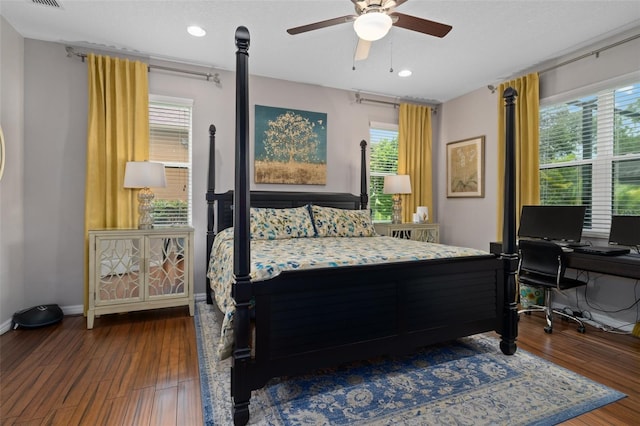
490,40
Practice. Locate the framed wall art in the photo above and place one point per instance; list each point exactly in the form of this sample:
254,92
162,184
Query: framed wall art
290,146
465,168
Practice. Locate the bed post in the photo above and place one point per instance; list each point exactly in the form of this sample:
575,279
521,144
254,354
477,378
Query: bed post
240,389
509,253
364,197
211,189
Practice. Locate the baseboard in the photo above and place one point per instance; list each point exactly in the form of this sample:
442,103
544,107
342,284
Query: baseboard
5,326
598,320
611,322
79,310
73,309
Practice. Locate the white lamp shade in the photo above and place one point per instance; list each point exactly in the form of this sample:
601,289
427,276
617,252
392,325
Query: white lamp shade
397,184
144,174
372,26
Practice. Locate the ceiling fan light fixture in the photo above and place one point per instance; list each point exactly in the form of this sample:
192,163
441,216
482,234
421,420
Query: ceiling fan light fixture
372,26
404,73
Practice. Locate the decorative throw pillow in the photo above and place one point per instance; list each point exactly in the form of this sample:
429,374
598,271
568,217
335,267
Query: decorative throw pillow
332,222
276,224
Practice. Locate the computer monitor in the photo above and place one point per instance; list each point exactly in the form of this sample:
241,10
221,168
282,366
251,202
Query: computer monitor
556,223
625,231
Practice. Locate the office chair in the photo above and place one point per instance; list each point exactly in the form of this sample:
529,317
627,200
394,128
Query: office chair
541,265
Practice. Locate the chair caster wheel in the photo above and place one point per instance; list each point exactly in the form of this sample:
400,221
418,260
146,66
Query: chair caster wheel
581,329
548,330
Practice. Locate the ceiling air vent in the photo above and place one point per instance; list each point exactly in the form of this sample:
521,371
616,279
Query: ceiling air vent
52,3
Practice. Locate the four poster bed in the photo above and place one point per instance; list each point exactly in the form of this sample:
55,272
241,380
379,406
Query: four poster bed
298,320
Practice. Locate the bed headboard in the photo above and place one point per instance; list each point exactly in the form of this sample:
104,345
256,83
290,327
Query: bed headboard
278,199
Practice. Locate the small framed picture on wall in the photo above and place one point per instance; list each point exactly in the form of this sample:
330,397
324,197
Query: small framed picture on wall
465,168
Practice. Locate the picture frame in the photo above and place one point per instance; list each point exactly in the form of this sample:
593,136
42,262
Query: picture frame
465,168
290,146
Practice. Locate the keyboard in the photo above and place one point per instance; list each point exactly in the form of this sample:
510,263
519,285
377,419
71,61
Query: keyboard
574,245
602,250
570,244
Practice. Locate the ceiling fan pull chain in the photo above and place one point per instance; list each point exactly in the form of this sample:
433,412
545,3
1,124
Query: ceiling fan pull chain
391,55
353,58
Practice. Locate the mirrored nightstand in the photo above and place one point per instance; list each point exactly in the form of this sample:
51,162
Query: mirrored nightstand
428,232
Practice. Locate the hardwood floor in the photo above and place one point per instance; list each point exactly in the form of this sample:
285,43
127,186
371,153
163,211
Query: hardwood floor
131,369
142,369
607,358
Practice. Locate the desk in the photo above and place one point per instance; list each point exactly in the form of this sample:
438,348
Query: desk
627,265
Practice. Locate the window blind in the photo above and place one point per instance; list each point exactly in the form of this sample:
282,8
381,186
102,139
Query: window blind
170,143
590,154
383,161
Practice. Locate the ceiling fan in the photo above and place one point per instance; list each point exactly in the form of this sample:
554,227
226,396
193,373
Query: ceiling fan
373,20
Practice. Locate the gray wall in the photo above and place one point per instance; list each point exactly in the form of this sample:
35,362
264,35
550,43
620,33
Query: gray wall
55,156
472,221
42,239
12,255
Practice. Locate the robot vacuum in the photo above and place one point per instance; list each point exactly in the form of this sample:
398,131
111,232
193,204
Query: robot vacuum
37,316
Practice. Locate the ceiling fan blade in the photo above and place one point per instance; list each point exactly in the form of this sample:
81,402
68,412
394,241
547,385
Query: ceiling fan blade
321,24
421,25
362,50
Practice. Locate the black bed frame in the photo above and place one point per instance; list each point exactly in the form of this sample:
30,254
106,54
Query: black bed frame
306,320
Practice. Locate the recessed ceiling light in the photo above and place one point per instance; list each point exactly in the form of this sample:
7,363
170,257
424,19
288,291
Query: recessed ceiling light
196,31
404,73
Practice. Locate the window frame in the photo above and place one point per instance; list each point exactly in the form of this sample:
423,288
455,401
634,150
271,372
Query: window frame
178,103
383,126
602,164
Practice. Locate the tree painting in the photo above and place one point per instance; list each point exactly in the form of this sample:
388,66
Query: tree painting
291,146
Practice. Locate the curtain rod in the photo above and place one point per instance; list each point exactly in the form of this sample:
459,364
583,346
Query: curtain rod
596,52
593,52
360,99
210,77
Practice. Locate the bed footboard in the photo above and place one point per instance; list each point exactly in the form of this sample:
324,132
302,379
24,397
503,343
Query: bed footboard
364,311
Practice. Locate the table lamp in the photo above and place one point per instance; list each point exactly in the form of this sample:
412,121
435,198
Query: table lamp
144,175
396,185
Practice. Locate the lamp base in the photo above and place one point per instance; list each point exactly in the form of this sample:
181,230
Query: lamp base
397,210
145,208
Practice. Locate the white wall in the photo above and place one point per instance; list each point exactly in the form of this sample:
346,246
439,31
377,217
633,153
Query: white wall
55,156
12,282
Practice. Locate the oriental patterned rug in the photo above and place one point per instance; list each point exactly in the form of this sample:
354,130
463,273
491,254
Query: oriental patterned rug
464,382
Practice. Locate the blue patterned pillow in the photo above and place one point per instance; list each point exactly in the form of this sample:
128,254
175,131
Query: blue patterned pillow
276,224
332,222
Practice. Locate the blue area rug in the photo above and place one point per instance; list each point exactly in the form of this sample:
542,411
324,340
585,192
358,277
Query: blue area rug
464,382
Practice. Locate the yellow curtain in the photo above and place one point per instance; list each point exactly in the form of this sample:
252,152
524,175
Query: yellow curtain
527,138
414,158
118,131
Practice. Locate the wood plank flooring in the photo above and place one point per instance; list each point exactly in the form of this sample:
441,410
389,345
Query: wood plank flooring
131,369
142,369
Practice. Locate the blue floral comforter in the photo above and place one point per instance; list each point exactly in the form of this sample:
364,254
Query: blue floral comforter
271,257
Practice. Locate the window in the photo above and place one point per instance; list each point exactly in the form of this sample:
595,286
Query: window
170,143
383,161
590,154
